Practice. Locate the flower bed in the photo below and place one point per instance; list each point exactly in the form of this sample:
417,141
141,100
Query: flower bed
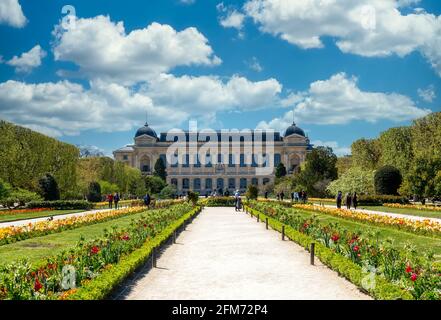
361,258
426,227
18,211
92,269
413,206
17,233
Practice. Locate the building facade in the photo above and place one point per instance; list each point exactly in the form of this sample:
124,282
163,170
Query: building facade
224,160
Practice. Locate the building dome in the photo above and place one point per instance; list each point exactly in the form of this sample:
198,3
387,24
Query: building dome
293,129
146,130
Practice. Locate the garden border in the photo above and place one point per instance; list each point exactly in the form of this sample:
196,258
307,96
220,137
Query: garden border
108,281
384,290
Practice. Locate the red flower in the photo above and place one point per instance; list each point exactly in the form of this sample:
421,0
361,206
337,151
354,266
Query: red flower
94,250
305,225
356,248
408,269
37,285
413,277
126,237
335,237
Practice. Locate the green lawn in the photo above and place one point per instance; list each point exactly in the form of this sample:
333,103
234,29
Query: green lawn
422,243
5,217
412,212
37,249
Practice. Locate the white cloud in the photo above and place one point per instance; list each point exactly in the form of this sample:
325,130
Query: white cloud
370,28
427,94
231,18
12,14
339,100
254,64
66,108
103,49
338,150
187,2
28,60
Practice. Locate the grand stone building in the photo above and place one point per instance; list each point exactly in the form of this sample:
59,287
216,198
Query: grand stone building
230,166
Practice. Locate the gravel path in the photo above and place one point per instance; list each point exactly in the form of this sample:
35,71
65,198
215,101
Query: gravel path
228,255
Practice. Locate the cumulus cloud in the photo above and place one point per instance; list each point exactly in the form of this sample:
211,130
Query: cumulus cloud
12,14
339,100
231,18
66,108
338,150
28,60
102,49
427,94
370,28
254,65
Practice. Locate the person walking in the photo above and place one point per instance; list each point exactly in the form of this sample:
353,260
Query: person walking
236,200
110,200
348,201
305,197
266,194
355,200
238,204
282,195
339,199
292,196
147,200
116,199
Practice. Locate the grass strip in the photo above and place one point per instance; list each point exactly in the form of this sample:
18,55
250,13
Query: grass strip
5,217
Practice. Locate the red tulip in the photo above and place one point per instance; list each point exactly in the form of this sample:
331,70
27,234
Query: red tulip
408,269
94,250
37,285
413,277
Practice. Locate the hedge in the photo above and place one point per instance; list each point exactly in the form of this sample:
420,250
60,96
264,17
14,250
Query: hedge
102,286
379,200
61,205
384,290
219,202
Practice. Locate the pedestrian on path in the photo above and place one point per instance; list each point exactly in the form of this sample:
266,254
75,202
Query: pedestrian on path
147,200
355,200
266,194
292,196
348,201
110,200
238,203
116,199
282,195
339,199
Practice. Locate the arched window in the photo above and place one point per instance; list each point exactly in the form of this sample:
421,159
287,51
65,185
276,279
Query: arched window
231,183
185,183
197,184
255,182
145,164
208,184
243,183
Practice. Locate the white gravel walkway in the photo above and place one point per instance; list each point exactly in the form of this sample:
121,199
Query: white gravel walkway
228,255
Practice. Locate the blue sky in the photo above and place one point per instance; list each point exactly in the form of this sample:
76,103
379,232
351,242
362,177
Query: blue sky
351,71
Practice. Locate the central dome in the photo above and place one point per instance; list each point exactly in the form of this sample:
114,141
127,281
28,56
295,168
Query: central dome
146,130
293,129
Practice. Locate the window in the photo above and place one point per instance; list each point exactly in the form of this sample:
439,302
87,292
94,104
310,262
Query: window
208,183
243,183
255,182
197,184
163,157
220,158
220,184
197,162
266,181
185,183
242,160
277,159
186,159
231,160
174,182
125,157
231,183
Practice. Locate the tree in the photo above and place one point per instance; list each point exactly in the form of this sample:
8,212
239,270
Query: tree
396,148
343,164
193,197
94,193
387,180
252,192
366,153
107,187
280,170
353,180
168,192
49,188
154,184
5,189
422,179
160,169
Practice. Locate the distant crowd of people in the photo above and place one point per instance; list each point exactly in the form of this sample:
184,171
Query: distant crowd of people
301,196
351,200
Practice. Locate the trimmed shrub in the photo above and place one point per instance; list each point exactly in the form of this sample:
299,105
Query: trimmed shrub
19,198
388,180
49,188
252,192
193,197
94,193
168,192
379,200
61,205
220,202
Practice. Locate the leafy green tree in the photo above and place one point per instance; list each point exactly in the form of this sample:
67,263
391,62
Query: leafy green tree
193,197
49,188
5,189
426,136
343,164
366,153
252,192
396,148
423,177
280,170
160,169
154,184
387,180
107,187
168,192
353,180
94,194
19,197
